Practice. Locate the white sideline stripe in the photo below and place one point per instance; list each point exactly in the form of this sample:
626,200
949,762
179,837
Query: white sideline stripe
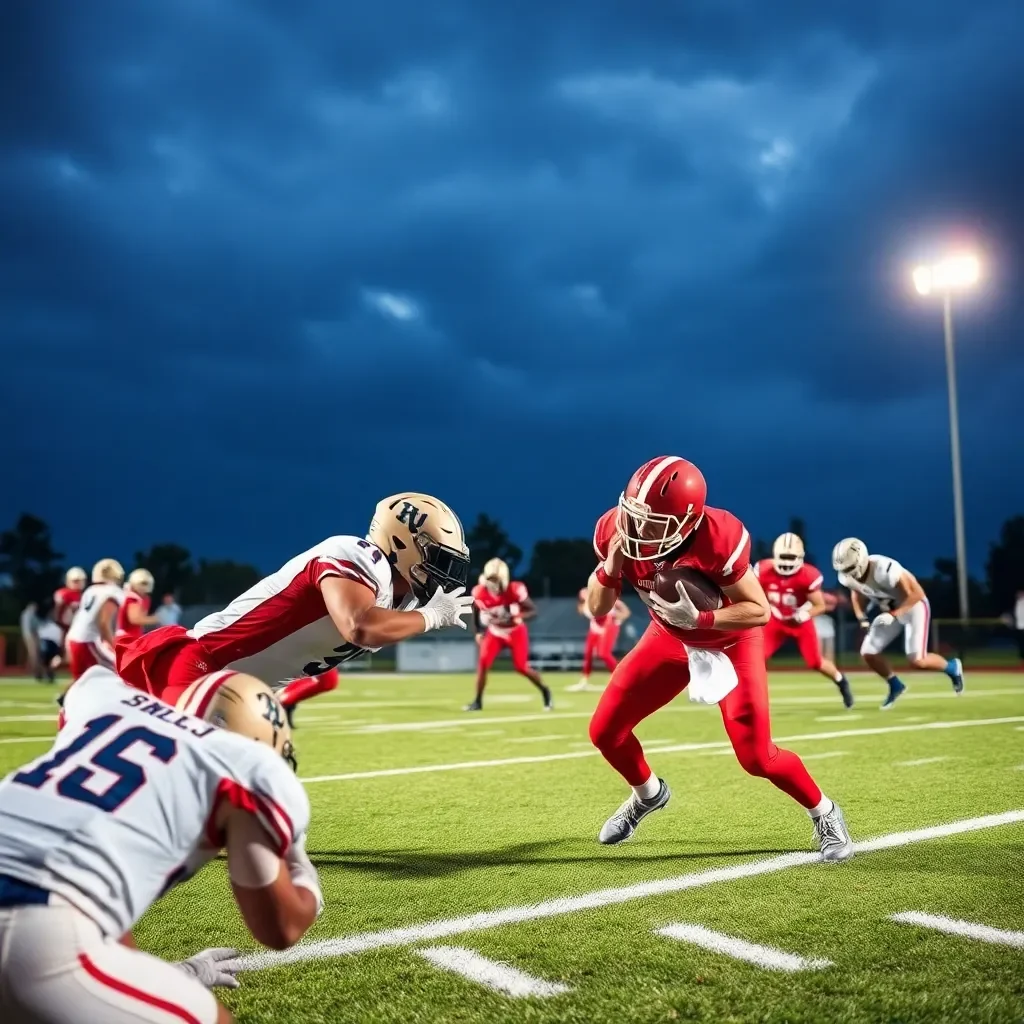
381,773
538,739
968,929
30,739
499,977
485,919
761,956
336,721
920,761
827,753
31,718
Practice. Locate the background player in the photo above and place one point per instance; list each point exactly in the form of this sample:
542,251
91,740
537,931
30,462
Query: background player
503,606
90,639
602,634
133,615
794,594
69,597
133,798
662,522
340,599
905,609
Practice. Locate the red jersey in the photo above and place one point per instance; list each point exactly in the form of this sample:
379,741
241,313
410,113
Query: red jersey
65,604
499,613
125,627
719,548
786,594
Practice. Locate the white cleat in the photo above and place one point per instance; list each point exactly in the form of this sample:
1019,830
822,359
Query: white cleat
833,836
581,687
622,824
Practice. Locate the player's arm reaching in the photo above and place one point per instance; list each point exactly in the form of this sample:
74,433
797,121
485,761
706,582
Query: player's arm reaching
748,605
857,607
353,609
137,617
527,609
605,583
913,593
106,623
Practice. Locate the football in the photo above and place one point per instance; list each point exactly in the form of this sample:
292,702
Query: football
703,592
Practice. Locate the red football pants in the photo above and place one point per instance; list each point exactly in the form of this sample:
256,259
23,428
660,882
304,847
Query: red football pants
603,645
806,636
518,643
164,662
82,656
655,672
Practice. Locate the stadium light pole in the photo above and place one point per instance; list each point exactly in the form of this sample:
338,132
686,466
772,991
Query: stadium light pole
957,273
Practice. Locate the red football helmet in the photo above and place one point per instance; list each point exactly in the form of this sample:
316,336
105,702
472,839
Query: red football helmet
663,503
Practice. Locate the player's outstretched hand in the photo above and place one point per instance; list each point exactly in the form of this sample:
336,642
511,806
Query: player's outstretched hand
801,615
443,610
613,563
682,614
214,968
885,619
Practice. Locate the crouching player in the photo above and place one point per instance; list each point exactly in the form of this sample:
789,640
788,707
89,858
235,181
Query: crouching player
793,589
134,797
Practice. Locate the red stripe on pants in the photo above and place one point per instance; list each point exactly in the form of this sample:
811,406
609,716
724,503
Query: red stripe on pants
128,990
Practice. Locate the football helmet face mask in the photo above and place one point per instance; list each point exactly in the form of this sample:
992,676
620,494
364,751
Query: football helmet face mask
663,503
75,578
108,570
423,540
787,554
244,704
850,556
141,581
496,576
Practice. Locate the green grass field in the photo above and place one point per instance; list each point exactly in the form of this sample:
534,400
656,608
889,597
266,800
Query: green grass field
434,830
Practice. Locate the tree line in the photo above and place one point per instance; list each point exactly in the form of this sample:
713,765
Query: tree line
31,568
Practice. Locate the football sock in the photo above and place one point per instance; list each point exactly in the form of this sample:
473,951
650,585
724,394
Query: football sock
838,677
950,669
650,789
824,807
309,686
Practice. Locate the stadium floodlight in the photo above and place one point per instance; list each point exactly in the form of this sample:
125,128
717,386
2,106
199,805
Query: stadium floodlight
958,272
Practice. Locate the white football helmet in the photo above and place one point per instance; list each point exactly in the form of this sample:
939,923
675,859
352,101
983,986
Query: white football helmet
75,578
240,703
787,554
496,575
850,556
141,581
423,540
108,570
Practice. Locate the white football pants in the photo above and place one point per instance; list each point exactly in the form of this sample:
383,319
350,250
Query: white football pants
57,968
914,626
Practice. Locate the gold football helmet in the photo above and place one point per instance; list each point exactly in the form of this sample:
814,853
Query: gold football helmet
108,570
240,703
75,578
141,581
423,540
496,575
787,554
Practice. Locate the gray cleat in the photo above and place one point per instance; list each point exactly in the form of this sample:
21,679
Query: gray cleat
622,824
833,836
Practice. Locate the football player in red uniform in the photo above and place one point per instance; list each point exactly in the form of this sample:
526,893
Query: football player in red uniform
133,615
661,522
602,634
503,606
794,594
69,597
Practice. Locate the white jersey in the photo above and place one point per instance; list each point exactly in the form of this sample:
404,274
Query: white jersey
280,629
123,806
881,583
85,626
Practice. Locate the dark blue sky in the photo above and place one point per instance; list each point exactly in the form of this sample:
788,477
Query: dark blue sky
263,263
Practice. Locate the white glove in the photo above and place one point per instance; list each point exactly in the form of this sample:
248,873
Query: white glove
303,873
682,614
444,610
213,968
802,614
885,619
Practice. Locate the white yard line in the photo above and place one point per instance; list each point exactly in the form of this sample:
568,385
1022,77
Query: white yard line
499,977
837,718
538,739
761,956
821,756
29,739
381,773
561,905
52,717
969,930
919,761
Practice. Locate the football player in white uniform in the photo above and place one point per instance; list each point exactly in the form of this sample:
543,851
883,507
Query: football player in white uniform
133,798
337,601
905,609
90,639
